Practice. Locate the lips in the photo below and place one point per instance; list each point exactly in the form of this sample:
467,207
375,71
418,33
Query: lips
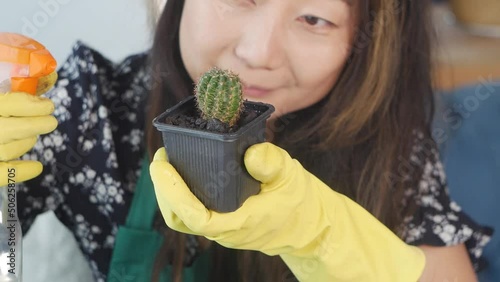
255,91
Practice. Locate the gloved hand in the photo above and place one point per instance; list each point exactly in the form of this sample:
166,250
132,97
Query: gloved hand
22,118
320,234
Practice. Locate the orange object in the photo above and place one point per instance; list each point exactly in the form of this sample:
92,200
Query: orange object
28,61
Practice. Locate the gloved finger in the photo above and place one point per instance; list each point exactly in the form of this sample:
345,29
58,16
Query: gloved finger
266,162
172,192
161,155
15,128
23,104
173,221
15,149
18,171
45,83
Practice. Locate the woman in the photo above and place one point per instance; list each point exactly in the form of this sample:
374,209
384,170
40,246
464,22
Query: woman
351,84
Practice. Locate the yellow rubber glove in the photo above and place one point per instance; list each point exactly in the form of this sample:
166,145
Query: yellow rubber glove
22,118
320,234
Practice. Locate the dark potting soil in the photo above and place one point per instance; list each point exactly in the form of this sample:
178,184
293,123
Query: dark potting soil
194,120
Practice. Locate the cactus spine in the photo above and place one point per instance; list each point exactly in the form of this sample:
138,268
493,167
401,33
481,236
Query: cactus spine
219,95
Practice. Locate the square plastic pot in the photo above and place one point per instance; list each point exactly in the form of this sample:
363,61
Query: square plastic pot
211,163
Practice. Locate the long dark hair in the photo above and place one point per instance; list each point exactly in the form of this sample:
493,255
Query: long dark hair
357,139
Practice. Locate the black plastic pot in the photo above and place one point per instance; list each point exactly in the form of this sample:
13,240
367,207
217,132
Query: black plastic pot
211,163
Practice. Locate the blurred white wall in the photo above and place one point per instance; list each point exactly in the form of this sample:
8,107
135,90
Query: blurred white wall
117,28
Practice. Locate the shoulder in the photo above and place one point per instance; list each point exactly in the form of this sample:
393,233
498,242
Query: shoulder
93,157
91,88
90,78
99,105
86,60
98,141
438,220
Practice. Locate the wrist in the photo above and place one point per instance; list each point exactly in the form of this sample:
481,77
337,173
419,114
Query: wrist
354,246
347,264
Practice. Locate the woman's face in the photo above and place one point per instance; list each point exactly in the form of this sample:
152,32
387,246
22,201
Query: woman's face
288,53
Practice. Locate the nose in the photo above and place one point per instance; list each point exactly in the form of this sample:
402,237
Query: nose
260,44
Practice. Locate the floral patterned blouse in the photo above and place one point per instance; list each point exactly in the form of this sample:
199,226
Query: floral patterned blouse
92,163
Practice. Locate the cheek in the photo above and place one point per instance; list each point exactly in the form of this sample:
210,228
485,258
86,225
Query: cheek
317,71
315,76
192,37
320,68
200,46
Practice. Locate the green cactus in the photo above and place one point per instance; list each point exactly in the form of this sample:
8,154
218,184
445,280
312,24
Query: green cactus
219,95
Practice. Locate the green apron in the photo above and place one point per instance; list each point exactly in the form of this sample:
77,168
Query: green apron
137,243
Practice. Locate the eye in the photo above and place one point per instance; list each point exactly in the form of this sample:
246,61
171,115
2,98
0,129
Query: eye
316,21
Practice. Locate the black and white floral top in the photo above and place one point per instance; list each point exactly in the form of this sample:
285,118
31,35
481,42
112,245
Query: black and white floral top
92,163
